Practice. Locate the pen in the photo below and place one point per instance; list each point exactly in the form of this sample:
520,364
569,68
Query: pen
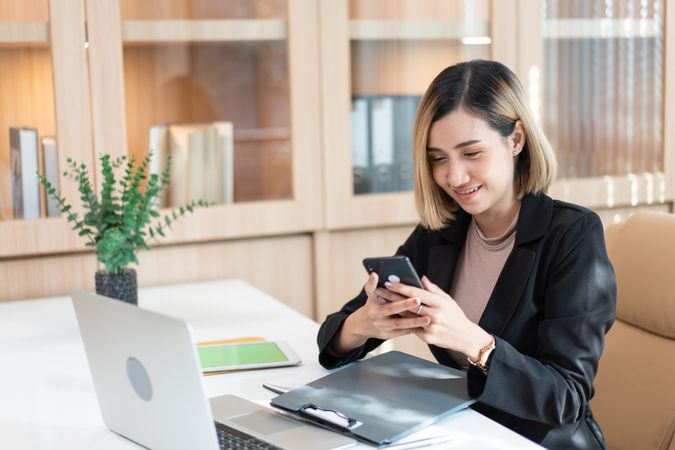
427,442
277,389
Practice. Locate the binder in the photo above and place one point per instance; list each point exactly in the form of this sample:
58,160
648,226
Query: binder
382,143
360,142
380,400
405,108
23,144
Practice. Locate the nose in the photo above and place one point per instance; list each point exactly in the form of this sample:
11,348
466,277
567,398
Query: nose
457,175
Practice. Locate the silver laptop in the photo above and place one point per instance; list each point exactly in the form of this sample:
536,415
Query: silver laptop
149,386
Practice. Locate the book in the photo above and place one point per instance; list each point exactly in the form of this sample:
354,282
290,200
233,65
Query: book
225,165
159,146
360,143
50,170
203,162
25,165
405,109
382,143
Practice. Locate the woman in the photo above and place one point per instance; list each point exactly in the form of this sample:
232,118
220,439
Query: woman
518,289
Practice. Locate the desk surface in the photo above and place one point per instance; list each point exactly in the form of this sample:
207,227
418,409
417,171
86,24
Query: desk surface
47,398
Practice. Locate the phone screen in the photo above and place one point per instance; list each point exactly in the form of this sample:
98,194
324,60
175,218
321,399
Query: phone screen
240,354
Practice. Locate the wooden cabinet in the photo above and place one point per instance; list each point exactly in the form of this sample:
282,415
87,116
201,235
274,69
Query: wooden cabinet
98,74
600,78
253,64
43,86
292,76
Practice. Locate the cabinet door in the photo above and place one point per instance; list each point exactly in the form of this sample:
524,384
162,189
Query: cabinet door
229,89
602,99
44,119
378,57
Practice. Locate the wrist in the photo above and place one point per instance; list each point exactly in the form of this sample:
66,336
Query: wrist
482,360
477,339
349,338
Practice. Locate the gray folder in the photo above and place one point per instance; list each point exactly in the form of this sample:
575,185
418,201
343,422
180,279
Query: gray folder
382,399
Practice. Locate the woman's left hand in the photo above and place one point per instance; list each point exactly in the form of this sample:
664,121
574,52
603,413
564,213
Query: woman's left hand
449,327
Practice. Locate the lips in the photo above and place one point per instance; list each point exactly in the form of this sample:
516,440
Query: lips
467,194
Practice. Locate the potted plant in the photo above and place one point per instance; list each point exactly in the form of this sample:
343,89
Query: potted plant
121,220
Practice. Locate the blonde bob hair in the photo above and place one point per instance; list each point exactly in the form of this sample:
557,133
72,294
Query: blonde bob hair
492,92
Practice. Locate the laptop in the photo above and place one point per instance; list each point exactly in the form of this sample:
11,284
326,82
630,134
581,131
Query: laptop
148,382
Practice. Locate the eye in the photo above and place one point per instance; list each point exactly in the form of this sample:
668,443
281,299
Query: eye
472,155
437,159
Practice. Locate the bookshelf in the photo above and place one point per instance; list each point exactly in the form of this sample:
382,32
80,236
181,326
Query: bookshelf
284,73
233,30
42,86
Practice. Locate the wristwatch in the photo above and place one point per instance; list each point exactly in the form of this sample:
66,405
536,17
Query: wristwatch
484,356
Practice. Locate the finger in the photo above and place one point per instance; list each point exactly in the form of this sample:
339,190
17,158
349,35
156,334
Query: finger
389,295
428,298
402,323
404,305
403,289
371,284
431,287
381,300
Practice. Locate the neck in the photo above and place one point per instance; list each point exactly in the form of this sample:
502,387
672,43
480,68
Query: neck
496,224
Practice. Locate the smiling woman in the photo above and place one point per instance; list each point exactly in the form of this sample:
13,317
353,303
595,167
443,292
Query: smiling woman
506,269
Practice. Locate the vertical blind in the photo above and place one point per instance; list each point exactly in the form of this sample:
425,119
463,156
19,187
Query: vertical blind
602,81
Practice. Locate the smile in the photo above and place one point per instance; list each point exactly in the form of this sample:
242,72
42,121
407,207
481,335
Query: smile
468,191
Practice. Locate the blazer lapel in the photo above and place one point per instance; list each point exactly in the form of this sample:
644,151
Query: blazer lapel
443,258
508,291
533,221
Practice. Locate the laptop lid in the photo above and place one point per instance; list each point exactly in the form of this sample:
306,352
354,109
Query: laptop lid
146,374
148,383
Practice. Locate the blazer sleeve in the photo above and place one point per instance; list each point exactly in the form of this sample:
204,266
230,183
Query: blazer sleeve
555,385
333,324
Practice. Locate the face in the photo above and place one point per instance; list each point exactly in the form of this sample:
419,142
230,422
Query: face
475,165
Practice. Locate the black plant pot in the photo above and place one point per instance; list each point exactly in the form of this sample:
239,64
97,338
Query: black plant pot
121,286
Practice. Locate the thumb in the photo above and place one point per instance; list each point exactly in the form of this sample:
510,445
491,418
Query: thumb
431,287
371,284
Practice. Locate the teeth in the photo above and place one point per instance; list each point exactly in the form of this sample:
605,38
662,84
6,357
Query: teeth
468,192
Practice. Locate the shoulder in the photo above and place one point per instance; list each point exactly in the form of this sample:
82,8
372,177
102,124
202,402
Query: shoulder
571,218
542,219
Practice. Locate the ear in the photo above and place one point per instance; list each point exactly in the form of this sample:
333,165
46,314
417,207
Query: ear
517,138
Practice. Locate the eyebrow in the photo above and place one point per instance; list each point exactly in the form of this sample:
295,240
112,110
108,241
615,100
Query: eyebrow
460,145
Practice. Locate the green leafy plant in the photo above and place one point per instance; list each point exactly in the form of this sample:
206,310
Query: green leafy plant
124,218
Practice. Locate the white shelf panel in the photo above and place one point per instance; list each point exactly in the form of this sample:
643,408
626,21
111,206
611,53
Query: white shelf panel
13,32
203,30
416,29
600,28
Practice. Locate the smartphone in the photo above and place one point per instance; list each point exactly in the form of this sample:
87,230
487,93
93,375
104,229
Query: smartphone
246,355
395,269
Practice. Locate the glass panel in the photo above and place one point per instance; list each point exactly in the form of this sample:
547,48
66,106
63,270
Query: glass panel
208,83
603,85
27,113
397,48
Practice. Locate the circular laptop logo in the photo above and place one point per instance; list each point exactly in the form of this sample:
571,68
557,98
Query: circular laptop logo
139,379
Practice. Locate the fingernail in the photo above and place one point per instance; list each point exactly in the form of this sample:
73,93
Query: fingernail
387,283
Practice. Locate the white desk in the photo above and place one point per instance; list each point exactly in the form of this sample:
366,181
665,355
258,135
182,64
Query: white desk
47,399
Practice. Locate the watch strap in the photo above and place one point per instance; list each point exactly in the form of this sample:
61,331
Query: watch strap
484,356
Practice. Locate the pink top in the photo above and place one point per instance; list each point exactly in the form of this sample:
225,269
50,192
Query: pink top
478,268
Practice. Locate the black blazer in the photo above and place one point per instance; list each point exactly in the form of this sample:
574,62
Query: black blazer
551,307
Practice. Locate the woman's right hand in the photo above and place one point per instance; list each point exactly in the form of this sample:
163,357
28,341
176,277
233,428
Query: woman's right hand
378,318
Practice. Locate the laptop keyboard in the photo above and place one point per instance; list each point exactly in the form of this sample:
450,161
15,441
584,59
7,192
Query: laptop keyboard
229,438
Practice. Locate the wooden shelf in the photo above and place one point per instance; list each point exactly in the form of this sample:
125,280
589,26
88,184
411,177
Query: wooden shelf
142,31
262,134
416,29
12,32
600,28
